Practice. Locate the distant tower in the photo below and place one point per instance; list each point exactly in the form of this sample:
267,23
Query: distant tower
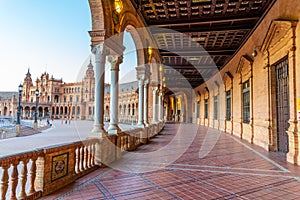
27,83
89,83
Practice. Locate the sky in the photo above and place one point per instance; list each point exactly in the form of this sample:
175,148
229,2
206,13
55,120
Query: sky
51,36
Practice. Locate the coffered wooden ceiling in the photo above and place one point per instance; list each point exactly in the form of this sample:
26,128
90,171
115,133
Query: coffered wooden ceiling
198,37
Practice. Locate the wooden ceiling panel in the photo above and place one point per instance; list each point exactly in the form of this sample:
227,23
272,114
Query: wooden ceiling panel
200,34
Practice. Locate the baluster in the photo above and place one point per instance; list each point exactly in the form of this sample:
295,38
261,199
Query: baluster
32,176
14,181
86,155
23,179
93,155
4,182
77,166
81,159
89,156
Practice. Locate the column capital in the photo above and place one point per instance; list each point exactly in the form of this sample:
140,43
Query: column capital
115,61
154,89
97,49
146,82
141,73
154,83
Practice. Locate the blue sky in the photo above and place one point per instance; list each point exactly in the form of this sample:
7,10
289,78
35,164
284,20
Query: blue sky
46,35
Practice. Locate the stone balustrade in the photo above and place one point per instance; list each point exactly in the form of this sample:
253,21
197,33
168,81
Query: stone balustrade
33,174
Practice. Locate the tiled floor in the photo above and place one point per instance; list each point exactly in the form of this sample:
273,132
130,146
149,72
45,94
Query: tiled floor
214,166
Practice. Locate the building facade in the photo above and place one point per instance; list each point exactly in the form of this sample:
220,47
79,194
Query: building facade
72,101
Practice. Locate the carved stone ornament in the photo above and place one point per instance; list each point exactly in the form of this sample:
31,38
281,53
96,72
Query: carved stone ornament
97,49
115,61
278,30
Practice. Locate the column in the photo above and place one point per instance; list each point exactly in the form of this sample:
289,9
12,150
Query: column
115,61
154,116
146,86
176,108
160,108
100,56
141,102
182,110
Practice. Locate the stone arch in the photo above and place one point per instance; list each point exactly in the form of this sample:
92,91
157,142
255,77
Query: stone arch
101,16
131,23
40,112
138,42
5,111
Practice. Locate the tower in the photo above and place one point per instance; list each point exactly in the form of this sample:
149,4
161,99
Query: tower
27,83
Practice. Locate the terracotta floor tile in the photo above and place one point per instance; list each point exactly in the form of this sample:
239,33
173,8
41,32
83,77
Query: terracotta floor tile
232,169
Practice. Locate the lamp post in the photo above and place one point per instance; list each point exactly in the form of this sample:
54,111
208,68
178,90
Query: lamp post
20,88
36,108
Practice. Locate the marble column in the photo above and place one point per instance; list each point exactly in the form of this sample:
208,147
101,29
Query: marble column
100,59
141,102
146,86
115,61
154,107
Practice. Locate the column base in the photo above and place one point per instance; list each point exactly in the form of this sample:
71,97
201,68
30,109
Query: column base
145,138
113,129
294,145
140,125
97,132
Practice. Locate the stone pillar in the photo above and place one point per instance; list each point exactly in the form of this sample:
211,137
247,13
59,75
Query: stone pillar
141,75
154,107
141,103
115,61
146,86
100,56
160,107
181,109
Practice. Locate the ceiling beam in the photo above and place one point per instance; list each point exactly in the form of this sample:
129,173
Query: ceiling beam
189,67
168,24
196,52
185,29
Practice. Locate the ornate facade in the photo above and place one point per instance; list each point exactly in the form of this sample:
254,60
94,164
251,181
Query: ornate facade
60,100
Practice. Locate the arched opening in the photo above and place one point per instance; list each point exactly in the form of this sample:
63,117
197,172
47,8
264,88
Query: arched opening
26,112
5,111
40,112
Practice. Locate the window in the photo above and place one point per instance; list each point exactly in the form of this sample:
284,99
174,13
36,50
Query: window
206,108
246,102
198,109
77,98
228,105
71,98
65,99
216,107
